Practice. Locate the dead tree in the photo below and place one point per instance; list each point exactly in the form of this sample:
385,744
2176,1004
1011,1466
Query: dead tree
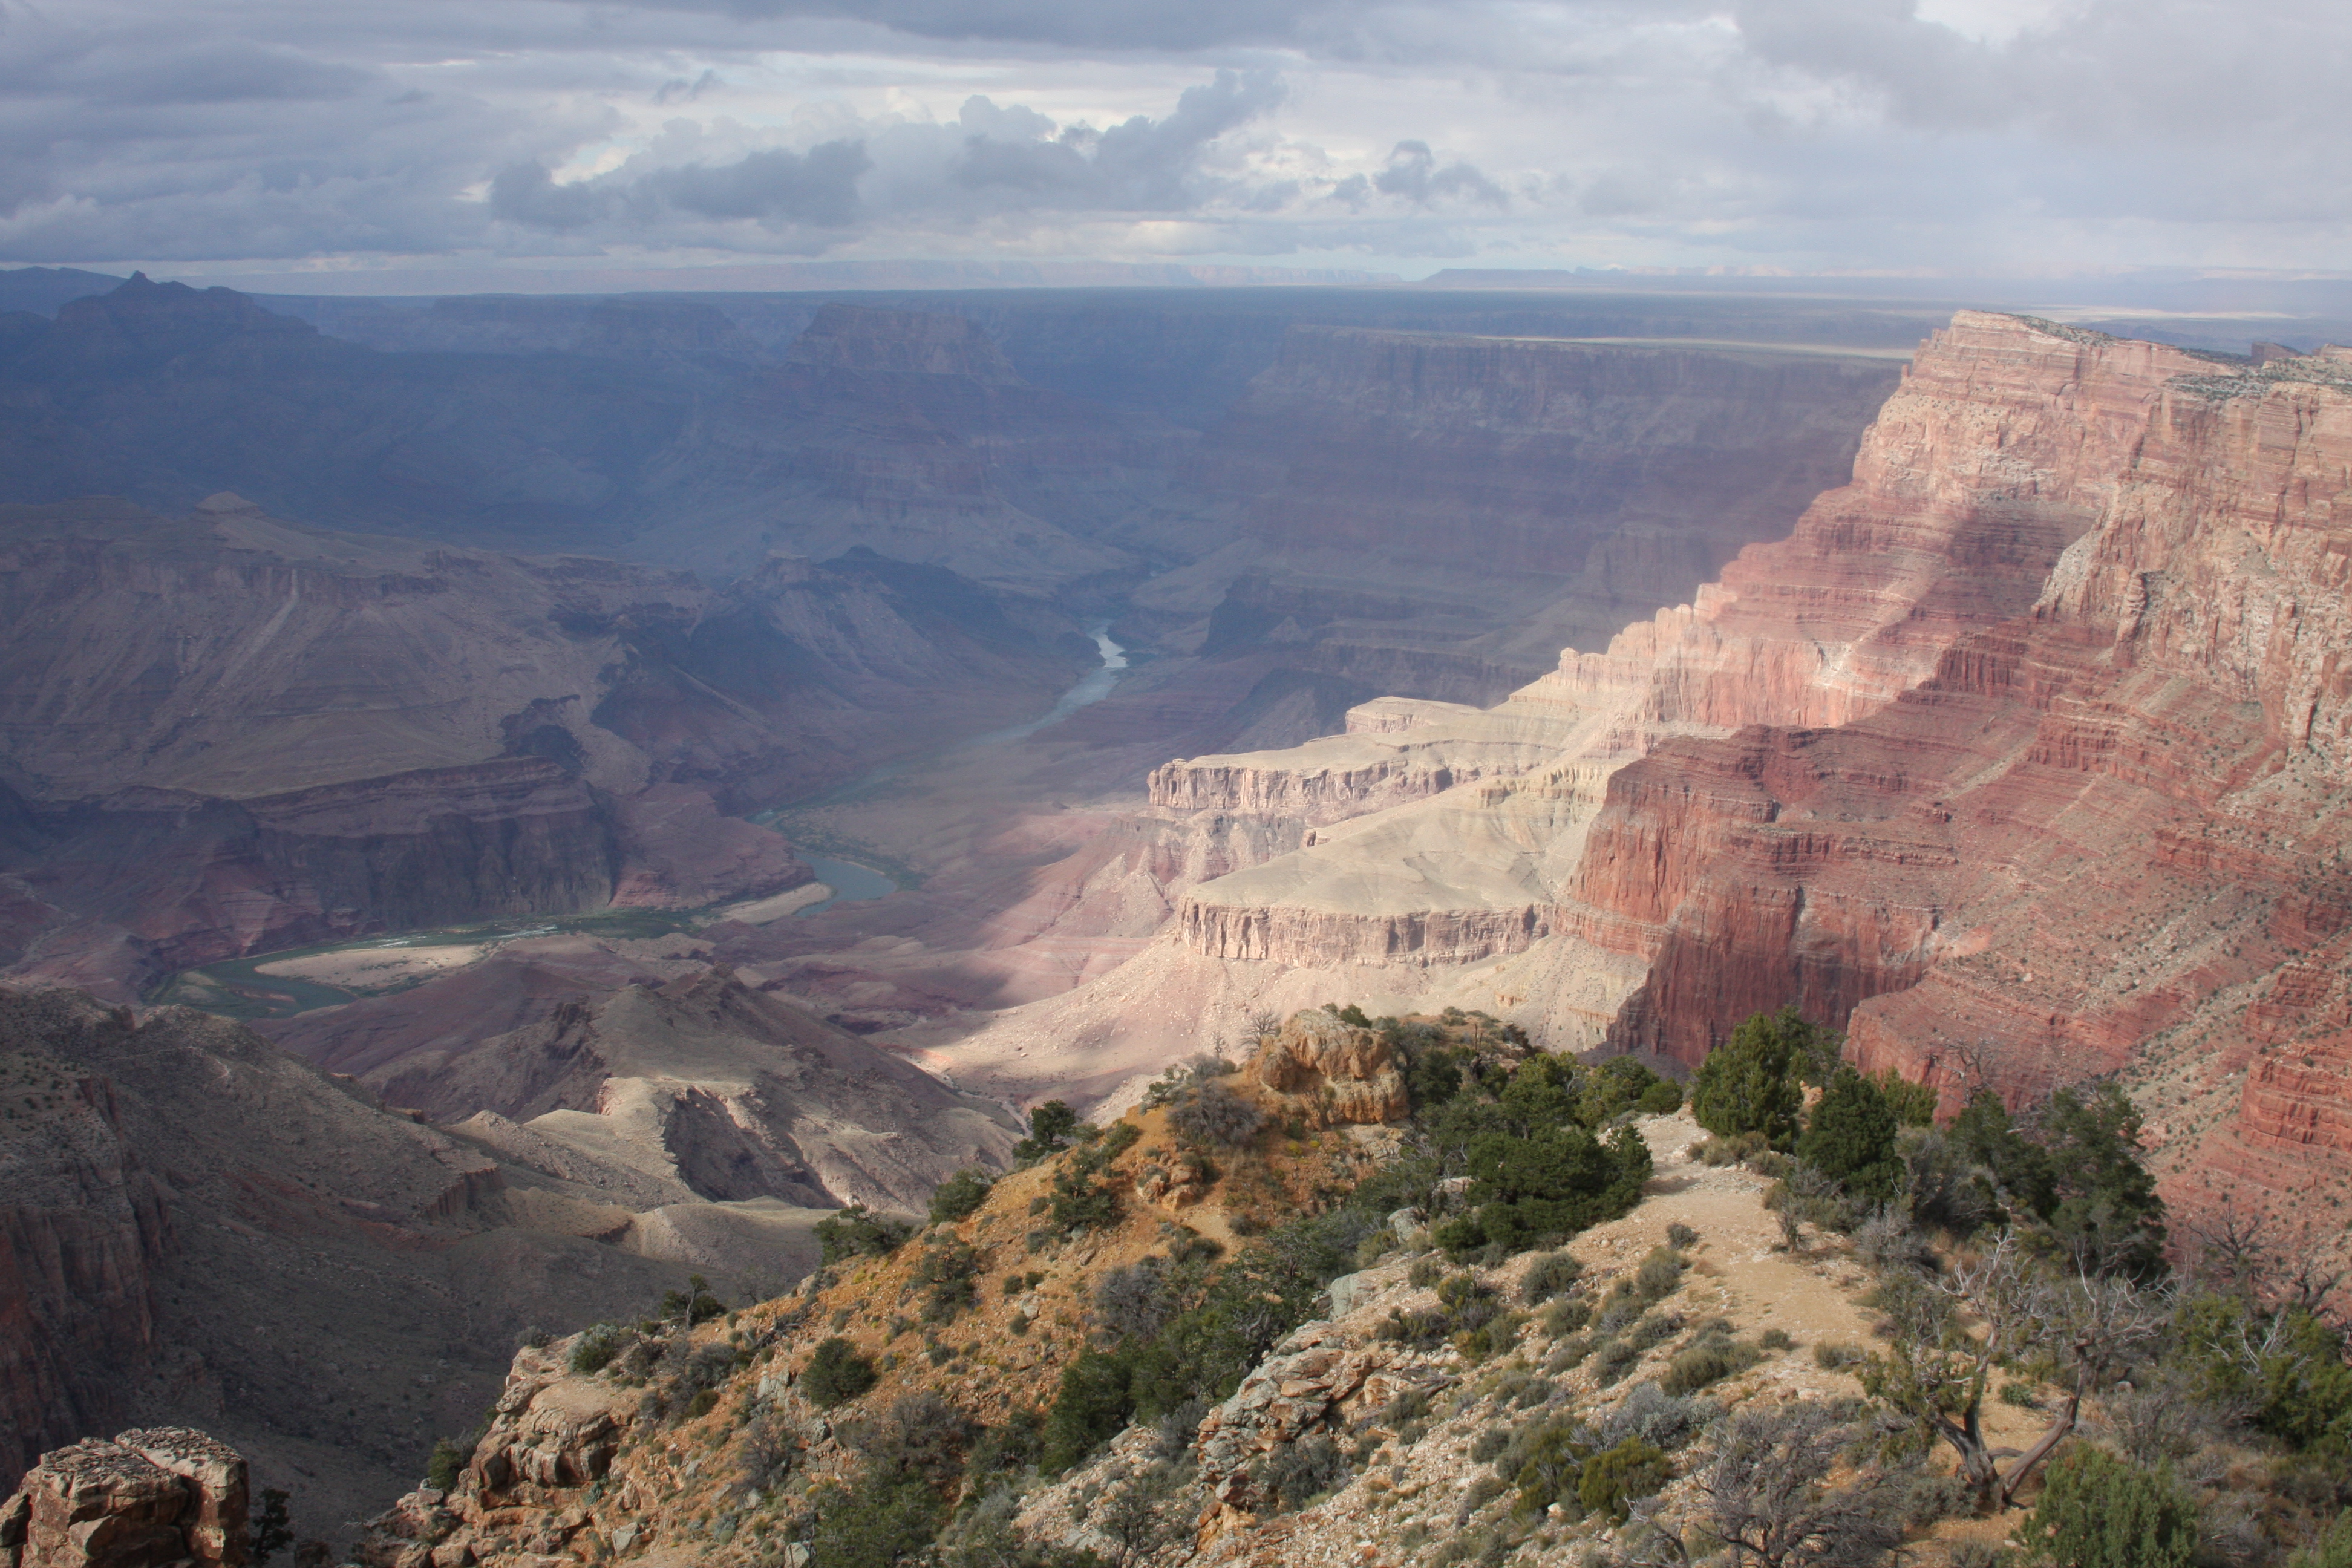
1952,1333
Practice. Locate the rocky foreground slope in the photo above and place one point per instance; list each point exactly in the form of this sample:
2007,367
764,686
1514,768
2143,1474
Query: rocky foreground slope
1372,1429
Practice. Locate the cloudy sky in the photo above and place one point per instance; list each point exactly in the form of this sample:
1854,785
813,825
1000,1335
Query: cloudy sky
1945,136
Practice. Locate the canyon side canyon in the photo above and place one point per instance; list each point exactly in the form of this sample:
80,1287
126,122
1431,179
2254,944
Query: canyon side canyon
445,747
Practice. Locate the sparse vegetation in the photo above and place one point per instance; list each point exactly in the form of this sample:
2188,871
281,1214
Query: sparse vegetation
856,1232
1214,1115
836,1374
960,1197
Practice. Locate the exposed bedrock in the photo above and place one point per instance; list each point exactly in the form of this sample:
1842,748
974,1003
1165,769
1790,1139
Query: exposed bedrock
82,1227
199,1228
1477,818
2107,834
2023,757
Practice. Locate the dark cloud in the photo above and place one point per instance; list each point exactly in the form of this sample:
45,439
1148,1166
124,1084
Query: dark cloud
1414,174
1077,24
1802,133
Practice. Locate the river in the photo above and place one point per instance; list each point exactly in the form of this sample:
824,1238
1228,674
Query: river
235,987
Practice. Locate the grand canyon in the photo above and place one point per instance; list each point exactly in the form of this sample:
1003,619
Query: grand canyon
560,855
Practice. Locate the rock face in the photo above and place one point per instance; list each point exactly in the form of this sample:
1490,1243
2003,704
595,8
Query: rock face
224,734
200,1227
658,1094
550,1434
2018,757
908,433
86,1225
1438,514
1331,1073
149,1498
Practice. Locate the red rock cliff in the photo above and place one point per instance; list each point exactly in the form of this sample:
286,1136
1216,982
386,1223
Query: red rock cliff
2107,826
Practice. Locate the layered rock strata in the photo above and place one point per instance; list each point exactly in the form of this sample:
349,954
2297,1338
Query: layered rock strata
1992,456
225,733
2019,755
158,1495
204,1231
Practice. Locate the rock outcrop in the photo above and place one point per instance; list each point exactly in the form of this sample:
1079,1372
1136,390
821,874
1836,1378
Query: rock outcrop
204,1231
84,1226
1331,1073
150,1498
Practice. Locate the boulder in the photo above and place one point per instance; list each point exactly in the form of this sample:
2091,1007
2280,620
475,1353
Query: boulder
1329,1073
148,1499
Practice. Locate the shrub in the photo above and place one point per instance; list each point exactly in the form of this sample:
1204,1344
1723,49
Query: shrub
1612,1359
1731,1151
1708,1362
2019,1395
2099,1512
1662,1097
1134,1301
874,1519
1425,1272
1051,1126
855,1231
1616,1476
835,1373
1656,1417
1660,1274
1080,1202
1460,1291
1094,1403
1552,1182
2333,1550
1776,1341
1914,1104
1681,1236
1545,1461
1214,1114
273,1531
1851,1138
959,1196
1488,1446
448,1458
952,1272
1551,1275
1836,1357
597,1347
1568,1355
1566,1315
1755,1081
1655,1329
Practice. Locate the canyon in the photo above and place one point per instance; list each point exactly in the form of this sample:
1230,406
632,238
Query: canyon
1617,669
2061,659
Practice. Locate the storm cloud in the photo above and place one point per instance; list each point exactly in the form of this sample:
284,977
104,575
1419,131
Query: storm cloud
1896,134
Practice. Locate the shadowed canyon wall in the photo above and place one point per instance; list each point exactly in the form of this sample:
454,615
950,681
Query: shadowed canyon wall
225,733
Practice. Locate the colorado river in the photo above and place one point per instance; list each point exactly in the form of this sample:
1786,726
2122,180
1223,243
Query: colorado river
237,987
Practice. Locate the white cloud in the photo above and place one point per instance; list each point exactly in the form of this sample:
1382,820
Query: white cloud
2017,134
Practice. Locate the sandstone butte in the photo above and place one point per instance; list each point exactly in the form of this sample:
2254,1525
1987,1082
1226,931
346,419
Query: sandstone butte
2023,757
